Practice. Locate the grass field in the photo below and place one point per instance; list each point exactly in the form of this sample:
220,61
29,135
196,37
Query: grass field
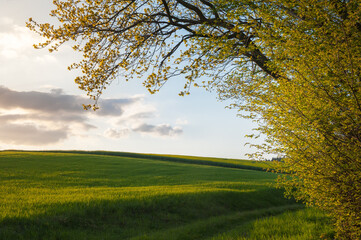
95,196
219,162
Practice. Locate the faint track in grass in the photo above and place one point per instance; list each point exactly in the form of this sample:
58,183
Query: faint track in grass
200,229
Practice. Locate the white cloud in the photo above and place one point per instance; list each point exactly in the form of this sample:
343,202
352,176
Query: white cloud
8,53
45,58
117,133
5,21
16,41
181,122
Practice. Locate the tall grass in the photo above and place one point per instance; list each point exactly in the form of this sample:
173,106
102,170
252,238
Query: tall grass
81,196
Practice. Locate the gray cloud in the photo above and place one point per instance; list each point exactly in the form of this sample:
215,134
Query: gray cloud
56,102
114,107
30,134
44,117
161,130
49,117
39,101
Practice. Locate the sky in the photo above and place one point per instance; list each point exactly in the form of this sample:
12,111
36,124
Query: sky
41,106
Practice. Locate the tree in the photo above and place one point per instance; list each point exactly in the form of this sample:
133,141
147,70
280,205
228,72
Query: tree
293,66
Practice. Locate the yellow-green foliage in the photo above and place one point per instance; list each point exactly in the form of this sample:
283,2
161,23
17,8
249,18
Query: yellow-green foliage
311,113
292,66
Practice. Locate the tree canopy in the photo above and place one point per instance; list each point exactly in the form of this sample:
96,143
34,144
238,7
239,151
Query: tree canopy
292,66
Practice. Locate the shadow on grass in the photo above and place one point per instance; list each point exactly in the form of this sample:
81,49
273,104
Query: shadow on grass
122,219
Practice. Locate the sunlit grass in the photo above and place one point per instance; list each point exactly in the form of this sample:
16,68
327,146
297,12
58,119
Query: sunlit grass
303,224
80,196
240,162
223,162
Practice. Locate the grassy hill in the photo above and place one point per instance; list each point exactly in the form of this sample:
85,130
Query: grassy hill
219,162
49,195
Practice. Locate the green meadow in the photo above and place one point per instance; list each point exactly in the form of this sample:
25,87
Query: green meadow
94,195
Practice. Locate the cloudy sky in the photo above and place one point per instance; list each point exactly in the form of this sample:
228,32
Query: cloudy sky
41,106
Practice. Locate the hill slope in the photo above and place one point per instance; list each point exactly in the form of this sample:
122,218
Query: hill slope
88,196
219,162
